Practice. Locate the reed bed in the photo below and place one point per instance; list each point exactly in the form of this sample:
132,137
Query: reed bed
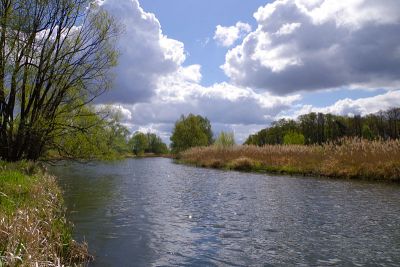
349,158
33,228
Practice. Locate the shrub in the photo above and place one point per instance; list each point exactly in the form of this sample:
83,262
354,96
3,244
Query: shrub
293,138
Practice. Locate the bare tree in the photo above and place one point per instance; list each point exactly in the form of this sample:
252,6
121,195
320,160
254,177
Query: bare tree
55,56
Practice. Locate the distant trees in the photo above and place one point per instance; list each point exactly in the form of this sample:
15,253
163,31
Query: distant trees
54,60
156,145
141,143
225,139
191,131
318,128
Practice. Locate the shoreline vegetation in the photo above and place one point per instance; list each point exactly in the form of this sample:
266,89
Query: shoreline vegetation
347,159
33,228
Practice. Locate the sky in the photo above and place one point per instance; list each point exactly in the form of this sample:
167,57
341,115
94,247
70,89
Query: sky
246,63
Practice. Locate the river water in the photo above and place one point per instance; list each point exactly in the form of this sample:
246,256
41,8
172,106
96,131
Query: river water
152,212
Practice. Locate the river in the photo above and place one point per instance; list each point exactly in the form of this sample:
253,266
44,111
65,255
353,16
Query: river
152,212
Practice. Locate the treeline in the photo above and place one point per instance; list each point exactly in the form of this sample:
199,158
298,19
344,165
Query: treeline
142,143
318,128
101,135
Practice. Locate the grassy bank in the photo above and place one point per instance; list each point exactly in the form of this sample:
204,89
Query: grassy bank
352,159
33,228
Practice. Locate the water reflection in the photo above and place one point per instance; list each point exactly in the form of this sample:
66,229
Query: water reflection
153,212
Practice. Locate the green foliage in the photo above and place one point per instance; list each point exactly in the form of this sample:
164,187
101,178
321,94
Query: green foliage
318,128
141,143
191,131
293,138
49,73
225,139
367,133
92,135
156,145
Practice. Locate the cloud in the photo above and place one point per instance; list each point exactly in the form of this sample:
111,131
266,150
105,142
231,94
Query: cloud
298,45
227,36
304,45
179,94
153,89
361,106
145,53
225,105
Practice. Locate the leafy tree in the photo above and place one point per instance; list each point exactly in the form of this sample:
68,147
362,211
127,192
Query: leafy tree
293,138
117,134
191,131
147,143
320,128
156,145
95,134
225,139
139,143
54,59
367,133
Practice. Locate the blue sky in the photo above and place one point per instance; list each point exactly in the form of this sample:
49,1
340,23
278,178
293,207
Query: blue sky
194,22
244,64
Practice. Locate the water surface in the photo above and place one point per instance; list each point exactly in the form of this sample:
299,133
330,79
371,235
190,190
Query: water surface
152,212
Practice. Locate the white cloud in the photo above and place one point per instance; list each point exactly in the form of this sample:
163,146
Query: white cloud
361,106
319,44
227,106
298,45
145,53
221,102
153,88
227,36
288,28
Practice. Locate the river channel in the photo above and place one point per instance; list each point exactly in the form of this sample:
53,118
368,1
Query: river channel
152,212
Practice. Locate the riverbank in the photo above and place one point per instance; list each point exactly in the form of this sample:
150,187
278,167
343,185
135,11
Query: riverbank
33,227
352,159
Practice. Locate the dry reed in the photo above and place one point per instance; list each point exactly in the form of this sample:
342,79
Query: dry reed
352,158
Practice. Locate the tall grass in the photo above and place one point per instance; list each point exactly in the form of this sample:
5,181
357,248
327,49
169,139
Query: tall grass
33,228
351,158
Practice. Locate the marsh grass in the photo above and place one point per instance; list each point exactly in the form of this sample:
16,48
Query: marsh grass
33,228
350,158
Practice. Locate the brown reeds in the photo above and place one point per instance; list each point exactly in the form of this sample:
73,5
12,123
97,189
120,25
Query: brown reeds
349,158
33,228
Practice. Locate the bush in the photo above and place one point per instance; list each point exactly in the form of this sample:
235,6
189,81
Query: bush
225,139
293,138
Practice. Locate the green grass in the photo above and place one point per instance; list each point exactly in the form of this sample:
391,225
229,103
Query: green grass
33,228
14,191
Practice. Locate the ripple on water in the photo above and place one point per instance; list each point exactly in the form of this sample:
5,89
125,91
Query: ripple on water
156,213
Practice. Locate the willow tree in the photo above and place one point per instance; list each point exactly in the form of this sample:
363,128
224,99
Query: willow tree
191,131
55,56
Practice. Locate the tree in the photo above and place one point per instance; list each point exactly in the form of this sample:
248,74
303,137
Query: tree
191,131
320,128
54,60
367,133
96,134
156,145
225,139
139,143
293,138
